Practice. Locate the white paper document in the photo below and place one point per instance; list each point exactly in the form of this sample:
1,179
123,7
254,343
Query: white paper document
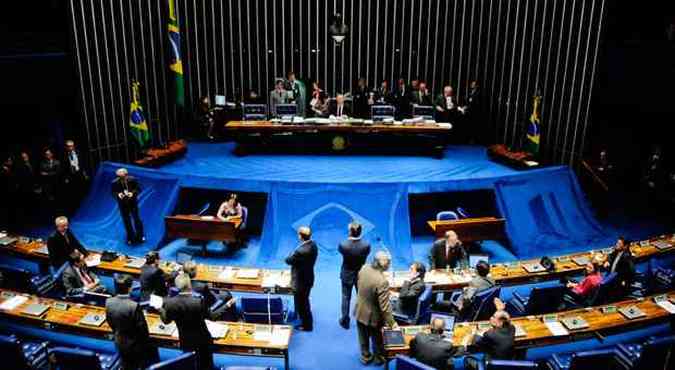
556,328
280,336
156,301
248,273
226,274
667,305
216,329
93,260
13,302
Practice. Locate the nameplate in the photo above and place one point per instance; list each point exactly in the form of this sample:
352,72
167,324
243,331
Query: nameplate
608,309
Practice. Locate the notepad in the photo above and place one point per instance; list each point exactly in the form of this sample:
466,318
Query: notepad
217,330
93,260
280,336
135,263
262,333
13,302
520,332
248,273
556,328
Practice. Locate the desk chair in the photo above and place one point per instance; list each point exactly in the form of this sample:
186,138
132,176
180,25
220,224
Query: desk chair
255,310
482,306
541,300
602,359
254,112
655,353
72,358
446,216
422,311
186,361
23,355
406,363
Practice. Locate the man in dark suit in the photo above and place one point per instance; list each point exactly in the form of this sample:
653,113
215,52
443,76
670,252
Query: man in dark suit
448,253
621,261
77,278
360,98
373,308
446,105
189,313
354,252
62,243
126,189
226,312
74,174
302,262
129,327
431,349
422,96
402,98
411,290
340,108
496,342
153,279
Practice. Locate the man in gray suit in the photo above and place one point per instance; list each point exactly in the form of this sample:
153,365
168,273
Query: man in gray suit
373,310
278,96
129,327
482,281
77,278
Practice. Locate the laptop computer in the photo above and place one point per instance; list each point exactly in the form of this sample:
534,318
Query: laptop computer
475,258
93,319
35,309
448,319
661,245
393,338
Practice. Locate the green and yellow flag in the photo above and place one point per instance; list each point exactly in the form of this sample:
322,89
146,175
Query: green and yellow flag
137,124
533,136
176,64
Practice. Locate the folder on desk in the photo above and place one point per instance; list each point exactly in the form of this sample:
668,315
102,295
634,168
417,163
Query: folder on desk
35,309
93,319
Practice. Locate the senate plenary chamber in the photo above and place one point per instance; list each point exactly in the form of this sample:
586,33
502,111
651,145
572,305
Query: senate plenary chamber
337,185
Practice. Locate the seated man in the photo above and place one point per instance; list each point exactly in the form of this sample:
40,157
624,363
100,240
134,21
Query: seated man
431,349
482,281
411,290
580,292
153,279
448,253
496,342
78,279
62,243
227,312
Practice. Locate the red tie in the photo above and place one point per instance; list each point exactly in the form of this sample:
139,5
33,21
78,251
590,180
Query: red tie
87,279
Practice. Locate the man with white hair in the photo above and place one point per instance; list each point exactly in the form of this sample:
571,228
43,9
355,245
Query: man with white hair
62,243
373,308
448,253
496,342
126,189
189,313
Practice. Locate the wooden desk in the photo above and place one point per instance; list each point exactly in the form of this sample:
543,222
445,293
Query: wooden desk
513,273
239,340
225,277
200,228
343,127
537,333
471,229
155,157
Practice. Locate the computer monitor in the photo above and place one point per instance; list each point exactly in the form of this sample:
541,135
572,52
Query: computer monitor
220,100
448,319
285,110
475,258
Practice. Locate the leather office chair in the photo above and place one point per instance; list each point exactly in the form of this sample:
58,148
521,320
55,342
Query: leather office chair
72,358
422,311
541,300
446,216
186,361
255,310
482,306
463,213
407,363
604,359
22,355
655,353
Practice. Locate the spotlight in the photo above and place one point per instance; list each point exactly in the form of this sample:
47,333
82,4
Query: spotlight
337,29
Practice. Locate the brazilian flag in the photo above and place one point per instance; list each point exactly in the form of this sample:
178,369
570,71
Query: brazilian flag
176,64
137,123
533,131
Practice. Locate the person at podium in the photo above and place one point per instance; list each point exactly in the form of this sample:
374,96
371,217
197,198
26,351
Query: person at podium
340,109
230,209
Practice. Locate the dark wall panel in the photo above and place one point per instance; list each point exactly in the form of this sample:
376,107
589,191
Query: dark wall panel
513,47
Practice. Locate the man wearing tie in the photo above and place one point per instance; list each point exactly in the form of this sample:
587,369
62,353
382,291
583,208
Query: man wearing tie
125,189
298,93
278,96
354,252
340,109
446,105
74,174
422,95
448,253
62,243
302,262
129,327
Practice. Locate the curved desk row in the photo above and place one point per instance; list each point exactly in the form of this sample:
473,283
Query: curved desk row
530,271
231,338
533,331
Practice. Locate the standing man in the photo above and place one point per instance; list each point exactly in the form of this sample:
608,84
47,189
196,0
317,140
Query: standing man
448,253
340,109
74,171
621,261
125,189
373,308
153,279
446,105
302,262
189,313
402,99
354,252
298,93
360,98
129,327
62,243
278,96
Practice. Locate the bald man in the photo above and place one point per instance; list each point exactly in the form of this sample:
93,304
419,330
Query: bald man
302,261
496,342
448,253
432,349
125,190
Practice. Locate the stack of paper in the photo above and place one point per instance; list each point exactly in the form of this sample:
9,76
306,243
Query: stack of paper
217,330
280,336
93,260
274,279
156,301
667,305
556,328
262,333
13,302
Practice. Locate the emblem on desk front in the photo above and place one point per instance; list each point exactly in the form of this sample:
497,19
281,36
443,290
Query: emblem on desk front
339,143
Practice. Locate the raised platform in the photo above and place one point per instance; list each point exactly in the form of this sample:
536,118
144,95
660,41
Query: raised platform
545,210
